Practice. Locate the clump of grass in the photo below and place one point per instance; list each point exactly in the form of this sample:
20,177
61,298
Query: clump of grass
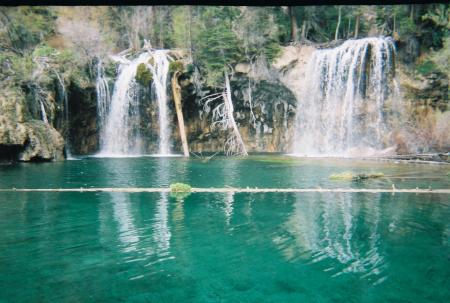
180,188
355,177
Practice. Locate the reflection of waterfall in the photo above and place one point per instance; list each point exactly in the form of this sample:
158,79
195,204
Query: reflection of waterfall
103,97
121,134
325,230
127,230
228,208
230,176
161,230
345,103
160,70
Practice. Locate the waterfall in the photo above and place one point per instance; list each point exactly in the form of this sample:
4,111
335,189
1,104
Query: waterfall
103,98
120,134
160,70
345,106
43,114
66,114
120,119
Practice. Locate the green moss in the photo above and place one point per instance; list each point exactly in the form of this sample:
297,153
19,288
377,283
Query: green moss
176,66
190,68
143,75
180,188
355,177
426,67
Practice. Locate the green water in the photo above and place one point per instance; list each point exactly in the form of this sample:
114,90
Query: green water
274,247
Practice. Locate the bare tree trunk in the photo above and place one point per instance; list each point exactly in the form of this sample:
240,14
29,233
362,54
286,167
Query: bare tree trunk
229,105
176,89
294,36
190,32
393,30
304,31
357,26
349,26
338,24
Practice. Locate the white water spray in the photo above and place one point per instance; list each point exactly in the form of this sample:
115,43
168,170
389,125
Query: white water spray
344,106
120,134
160,71
103,98
120,120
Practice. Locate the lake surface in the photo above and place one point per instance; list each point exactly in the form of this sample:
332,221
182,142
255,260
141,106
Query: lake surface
215,247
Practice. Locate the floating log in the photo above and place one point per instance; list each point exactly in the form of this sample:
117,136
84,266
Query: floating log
233,190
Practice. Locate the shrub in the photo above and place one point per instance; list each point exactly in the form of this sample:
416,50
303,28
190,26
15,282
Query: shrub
144,75
176,66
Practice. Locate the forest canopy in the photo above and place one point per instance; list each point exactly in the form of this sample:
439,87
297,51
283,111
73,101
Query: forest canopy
215,37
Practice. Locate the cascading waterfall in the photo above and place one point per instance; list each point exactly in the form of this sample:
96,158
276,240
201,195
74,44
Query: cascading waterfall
66,114
345,107
160,70
120,134
43,113
103,97
119,119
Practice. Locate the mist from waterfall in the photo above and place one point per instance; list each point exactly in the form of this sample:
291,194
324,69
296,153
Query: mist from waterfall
348,99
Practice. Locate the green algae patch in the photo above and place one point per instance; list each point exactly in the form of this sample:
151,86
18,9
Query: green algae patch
349,176
279,160
180,188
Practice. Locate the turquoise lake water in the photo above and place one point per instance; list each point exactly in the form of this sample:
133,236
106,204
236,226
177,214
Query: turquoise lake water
227,247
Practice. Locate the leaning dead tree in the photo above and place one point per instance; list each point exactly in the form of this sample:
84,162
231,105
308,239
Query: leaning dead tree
177,99
223,119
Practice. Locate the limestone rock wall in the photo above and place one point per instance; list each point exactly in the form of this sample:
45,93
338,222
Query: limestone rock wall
22,137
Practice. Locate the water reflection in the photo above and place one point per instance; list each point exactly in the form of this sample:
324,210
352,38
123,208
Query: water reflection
230,175
325,231
123,216
161,230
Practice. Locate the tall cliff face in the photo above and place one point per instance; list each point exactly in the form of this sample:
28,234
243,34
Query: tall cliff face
265,126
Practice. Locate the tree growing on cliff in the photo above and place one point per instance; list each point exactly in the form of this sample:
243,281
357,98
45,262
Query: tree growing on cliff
223,119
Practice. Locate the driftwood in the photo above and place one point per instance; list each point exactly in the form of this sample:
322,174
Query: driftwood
235,190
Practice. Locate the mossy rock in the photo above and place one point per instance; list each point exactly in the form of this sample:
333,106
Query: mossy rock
151,61
143,75
176,66
189,68
180,188
349,176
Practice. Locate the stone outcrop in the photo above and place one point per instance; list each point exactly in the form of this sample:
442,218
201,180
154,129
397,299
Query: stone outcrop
23,138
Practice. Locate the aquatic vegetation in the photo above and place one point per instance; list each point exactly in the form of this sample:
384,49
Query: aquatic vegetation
180,188
355,177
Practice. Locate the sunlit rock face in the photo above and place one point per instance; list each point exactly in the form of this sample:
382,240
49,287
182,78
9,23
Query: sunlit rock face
24,138
348,100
